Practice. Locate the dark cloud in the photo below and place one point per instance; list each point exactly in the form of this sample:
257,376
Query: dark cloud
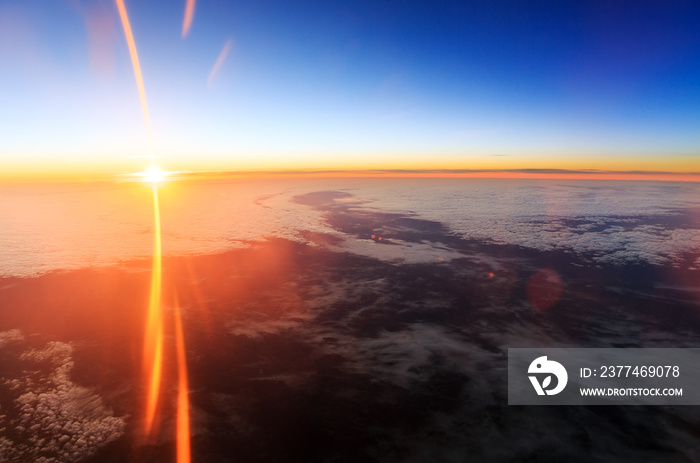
346,348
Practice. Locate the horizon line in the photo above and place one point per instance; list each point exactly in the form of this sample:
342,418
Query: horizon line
528,173
525,173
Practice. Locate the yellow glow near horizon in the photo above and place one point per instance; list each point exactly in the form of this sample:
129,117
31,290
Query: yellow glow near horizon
109,165
154,175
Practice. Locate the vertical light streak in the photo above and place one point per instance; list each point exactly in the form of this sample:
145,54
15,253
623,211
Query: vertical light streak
189,16
183,405
153,339
135,63
153,346
219,61
156,370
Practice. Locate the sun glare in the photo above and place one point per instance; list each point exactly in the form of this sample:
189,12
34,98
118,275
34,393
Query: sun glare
154,175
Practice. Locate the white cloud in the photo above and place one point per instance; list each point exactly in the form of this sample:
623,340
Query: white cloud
57,420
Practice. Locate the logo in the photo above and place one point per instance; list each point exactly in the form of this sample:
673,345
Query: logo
544,369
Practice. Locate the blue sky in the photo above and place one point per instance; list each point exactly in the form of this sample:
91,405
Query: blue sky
340,84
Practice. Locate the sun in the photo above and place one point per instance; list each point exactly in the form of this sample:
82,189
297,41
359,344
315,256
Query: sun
154,175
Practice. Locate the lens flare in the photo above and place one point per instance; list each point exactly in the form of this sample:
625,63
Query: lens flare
154,335
189,16
153,344
183,405
219,61
135,63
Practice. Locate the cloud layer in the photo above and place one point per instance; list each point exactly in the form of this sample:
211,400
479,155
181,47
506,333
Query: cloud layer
49,419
